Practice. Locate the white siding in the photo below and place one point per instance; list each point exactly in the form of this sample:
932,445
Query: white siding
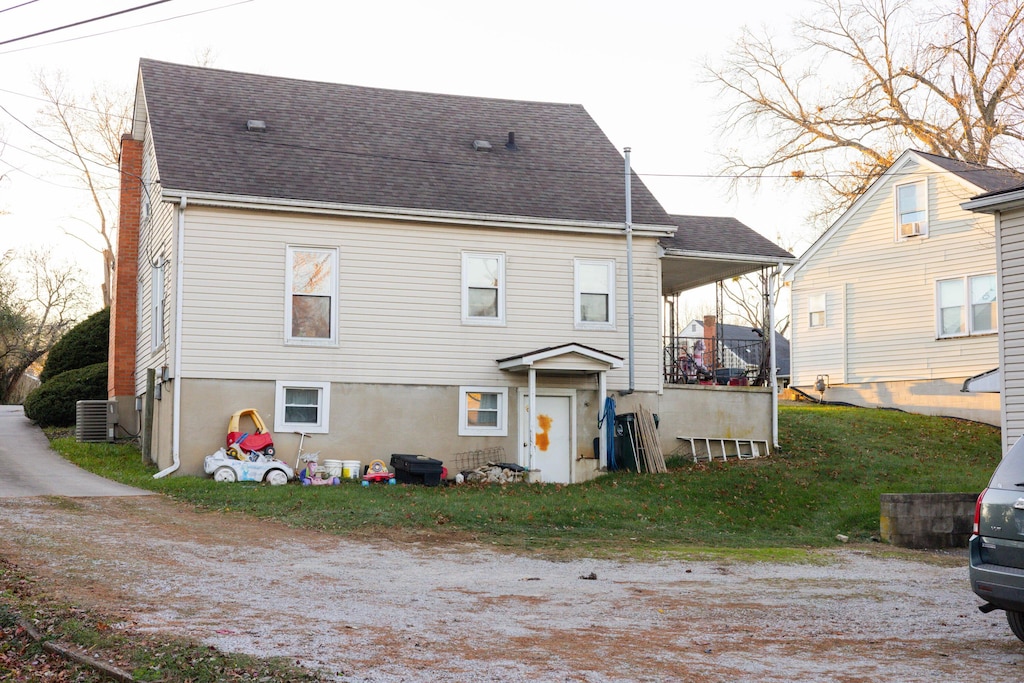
155,242
888,287
399,300
823,346
1011,237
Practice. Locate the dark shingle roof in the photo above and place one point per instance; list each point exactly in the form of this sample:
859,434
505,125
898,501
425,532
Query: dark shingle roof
343,144
720,235
986,177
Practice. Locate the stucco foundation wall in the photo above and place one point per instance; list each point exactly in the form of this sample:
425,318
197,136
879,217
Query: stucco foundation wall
713,412
367,421
926,397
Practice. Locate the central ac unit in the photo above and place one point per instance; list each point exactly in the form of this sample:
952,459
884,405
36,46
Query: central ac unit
95,420
914,229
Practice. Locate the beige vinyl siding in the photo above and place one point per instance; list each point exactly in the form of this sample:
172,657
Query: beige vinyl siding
400,319
155,240
822,346
1011,236
890,286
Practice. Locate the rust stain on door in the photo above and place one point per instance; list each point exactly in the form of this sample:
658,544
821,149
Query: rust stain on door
543,440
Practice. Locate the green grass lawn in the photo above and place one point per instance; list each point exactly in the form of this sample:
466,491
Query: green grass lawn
826,479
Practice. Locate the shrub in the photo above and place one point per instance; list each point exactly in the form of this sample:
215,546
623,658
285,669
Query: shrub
84,344
53,404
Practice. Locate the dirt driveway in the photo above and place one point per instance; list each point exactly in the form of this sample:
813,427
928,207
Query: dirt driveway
439,611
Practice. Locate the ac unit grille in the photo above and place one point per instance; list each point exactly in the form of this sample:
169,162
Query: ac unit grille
914,229
92,421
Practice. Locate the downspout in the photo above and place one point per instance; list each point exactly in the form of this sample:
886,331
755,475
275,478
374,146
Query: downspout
179,278
629,274
771,354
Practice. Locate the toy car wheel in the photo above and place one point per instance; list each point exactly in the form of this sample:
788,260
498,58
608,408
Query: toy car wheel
276,478
392,482
269,451
224,474
365,483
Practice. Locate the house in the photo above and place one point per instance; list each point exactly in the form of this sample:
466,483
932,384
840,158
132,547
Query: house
895,304
1006,209
393,272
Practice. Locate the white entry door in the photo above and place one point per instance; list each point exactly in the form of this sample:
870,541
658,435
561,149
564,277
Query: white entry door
554,431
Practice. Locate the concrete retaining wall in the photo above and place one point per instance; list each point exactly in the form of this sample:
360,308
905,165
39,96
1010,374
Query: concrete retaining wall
927,520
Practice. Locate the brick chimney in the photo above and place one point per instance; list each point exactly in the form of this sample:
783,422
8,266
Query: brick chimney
123,309
710,332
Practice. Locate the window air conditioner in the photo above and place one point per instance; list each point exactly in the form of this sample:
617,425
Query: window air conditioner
911,229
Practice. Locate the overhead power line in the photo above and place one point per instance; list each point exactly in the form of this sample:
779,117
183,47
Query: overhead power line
82,22
8,9
125,28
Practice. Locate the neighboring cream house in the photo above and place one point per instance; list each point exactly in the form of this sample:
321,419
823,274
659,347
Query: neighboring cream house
895,305
391,272
1006,208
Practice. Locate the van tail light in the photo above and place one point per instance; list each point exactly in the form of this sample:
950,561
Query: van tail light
977,511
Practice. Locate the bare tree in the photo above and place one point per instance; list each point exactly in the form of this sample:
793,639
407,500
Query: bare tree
39,301
866,79
746,297
86,139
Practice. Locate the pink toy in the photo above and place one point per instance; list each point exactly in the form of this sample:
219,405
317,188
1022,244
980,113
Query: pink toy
309,476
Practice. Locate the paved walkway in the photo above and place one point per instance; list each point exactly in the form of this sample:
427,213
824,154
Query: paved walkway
28,467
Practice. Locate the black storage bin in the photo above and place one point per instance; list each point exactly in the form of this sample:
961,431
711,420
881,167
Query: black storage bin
625,436
416,469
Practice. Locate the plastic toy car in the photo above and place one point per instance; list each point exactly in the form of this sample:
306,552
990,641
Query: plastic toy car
243,446
226,468
378,472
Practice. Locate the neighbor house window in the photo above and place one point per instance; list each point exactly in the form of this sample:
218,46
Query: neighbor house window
483,411
302,406
911,210
483,288
816,304
311,307
595,294
966,305
157,304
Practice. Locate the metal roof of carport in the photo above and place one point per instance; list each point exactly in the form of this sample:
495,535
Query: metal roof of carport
706,249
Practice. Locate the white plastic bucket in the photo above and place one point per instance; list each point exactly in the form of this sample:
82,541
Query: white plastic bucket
351,469
333,468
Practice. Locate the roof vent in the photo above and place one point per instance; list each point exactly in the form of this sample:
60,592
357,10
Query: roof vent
481,145
511,144
256,126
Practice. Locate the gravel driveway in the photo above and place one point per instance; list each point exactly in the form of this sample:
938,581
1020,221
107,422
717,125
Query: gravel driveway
443,611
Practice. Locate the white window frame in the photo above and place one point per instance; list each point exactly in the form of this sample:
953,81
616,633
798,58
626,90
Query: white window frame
322,426
817,303
468,319
581,324
157,305
967,314
466,429
332,340
923,185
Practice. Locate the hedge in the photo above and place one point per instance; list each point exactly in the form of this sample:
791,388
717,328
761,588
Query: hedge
53,404
84,344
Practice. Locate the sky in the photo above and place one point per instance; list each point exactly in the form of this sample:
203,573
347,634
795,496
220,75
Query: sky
633,65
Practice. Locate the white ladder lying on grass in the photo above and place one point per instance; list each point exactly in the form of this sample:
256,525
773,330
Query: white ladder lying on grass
724,448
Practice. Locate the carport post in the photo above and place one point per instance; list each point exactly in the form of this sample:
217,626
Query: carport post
532,433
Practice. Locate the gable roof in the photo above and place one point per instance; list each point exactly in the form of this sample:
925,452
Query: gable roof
986,178
746,344
353,146
976,176
706,249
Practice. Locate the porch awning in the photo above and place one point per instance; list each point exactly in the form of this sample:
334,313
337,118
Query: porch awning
567,359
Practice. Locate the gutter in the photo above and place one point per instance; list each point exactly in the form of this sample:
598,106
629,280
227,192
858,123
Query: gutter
399,213
179,278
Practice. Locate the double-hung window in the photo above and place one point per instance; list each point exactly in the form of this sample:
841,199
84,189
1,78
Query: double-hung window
595,294
816,310
483,289
912,210
966,306
302,406
311,305
483,411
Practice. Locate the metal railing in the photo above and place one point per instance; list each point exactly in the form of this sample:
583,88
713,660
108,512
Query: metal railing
714,360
